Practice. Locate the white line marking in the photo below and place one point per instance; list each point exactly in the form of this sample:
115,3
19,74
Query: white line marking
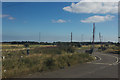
117,60
114,63
99,58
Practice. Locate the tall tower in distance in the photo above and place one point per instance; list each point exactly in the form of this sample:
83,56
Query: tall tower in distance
39,36
71,37
100,37
93,37
93,32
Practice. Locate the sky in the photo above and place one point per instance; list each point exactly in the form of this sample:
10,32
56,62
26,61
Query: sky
56,20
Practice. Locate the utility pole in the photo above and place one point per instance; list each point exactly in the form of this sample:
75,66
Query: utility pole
39,37
90,39
71,37
93,32
100,37
119,39
93,35
82,36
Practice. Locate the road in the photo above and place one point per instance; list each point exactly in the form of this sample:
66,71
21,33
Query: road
105,66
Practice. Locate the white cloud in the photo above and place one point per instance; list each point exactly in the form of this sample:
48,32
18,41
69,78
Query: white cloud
7,16
59,21
11,18
93,7
97,19
4,15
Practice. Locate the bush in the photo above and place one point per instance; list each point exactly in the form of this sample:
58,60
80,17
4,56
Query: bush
49,63
102,48
26,45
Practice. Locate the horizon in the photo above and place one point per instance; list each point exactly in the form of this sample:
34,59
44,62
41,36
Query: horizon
59,41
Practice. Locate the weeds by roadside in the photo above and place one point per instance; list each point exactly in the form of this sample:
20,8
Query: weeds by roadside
41,59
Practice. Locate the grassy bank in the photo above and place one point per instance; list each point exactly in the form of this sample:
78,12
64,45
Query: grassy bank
41,59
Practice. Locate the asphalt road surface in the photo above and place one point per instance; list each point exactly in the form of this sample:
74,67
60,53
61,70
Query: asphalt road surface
105,66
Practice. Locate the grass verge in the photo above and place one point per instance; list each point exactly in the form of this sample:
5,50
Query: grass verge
39,63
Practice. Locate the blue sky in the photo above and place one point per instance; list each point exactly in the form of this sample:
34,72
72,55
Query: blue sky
55,22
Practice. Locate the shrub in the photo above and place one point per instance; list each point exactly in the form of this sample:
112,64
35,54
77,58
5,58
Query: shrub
26,45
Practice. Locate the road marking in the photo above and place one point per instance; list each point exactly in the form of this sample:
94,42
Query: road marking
117,60
89,62
103,63
98,57
95,59
114,63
